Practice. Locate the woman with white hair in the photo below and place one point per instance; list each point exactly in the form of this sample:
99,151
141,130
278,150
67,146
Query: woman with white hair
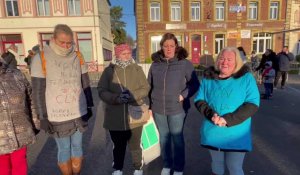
228,96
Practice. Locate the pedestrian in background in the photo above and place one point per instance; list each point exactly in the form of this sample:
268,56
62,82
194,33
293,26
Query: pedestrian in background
268,77
63,97
254,60
121,84
284,59
173,81
242,54
10,56
227,98
18,121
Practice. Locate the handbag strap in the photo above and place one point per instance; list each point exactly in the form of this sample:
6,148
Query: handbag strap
119,81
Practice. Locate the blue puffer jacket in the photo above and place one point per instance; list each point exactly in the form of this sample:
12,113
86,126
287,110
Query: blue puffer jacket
169,79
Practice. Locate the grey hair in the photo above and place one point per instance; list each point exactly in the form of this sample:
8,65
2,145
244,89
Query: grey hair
238,59
62,28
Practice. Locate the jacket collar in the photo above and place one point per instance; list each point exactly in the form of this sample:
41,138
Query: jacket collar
213,73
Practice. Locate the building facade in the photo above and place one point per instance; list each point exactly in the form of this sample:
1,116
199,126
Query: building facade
27,23
293,36
204,27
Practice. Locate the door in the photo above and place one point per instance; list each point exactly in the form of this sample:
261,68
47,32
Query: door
196,48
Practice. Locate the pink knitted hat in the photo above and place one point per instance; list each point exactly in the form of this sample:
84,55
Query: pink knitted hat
120,48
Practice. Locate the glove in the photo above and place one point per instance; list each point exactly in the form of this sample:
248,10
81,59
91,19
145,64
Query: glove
46,126
88,115
124,97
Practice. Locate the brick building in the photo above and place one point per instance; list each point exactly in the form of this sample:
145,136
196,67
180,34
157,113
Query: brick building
26,23
206,26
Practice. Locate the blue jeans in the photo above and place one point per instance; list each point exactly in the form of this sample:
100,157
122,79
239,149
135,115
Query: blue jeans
69,146
234,162
170,129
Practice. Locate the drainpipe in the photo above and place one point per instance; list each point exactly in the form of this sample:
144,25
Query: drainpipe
285,23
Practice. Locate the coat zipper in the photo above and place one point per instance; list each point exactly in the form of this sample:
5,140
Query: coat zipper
125,84
164,95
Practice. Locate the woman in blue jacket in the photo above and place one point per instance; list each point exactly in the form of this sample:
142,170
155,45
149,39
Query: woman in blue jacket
173,81
228,97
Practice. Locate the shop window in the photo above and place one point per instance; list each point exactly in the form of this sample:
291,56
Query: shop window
261,42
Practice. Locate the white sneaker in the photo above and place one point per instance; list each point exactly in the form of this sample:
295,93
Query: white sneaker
165,171
138,172
117,172
178,173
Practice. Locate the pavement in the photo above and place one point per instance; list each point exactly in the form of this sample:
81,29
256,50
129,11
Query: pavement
276,142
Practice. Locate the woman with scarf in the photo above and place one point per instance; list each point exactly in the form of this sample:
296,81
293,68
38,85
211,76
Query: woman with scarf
63,97
123,83
17,119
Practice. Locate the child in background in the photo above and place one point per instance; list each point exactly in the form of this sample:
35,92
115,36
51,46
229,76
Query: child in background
268,77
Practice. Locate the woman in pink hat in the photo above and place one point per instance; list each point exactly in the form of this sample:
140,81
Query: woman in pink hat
122,83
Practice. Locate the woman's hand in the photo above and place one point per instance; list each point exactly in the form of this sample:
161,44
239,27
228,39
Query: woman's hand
181,98
150,113
217,120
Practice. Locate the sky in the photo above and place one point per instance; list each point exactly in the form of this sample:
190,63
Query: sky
128,15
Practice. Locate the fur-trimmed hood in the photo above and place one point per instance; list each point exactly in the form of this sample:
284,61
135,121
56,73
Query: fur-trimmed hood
212,73
181,53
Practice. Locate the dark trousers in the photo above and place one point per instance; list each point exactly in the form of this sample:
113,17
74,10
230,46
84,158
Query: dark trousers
120,140
283,75
268,89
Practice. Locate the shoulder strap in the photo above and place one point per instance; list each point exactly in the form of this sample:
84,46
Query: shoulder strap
79,55
42,56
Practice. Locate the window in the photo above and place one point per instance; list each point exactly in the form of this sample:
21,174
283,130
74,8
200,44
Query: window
45,38
297,16
12,7
12,39
261,42
219,42
155,11
178,37
175,11
84,41
74,7
220,11
107,54
252,10
43,7
155,43
195,11
274,10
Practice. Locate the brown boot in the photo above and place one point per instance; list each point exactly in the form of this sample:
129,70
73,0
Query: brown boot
76,165
65,167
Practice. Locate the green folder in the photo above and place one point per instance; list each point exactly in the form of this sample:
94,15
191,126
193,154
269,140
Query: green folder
149,135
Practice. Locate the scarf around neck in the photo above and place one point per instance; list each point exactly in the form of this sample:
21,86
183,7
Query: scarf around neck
60,50
123,64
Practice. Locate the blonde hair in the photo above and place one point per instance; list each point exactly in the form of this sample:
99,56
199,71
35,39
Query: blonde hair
238,59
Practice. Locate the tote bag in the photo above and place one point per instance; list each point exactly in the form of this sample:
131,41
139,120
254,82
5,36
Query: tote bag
150,141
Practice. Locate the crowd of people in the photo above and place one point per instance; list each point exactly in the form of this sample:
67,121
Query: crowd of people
272,67
59,101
